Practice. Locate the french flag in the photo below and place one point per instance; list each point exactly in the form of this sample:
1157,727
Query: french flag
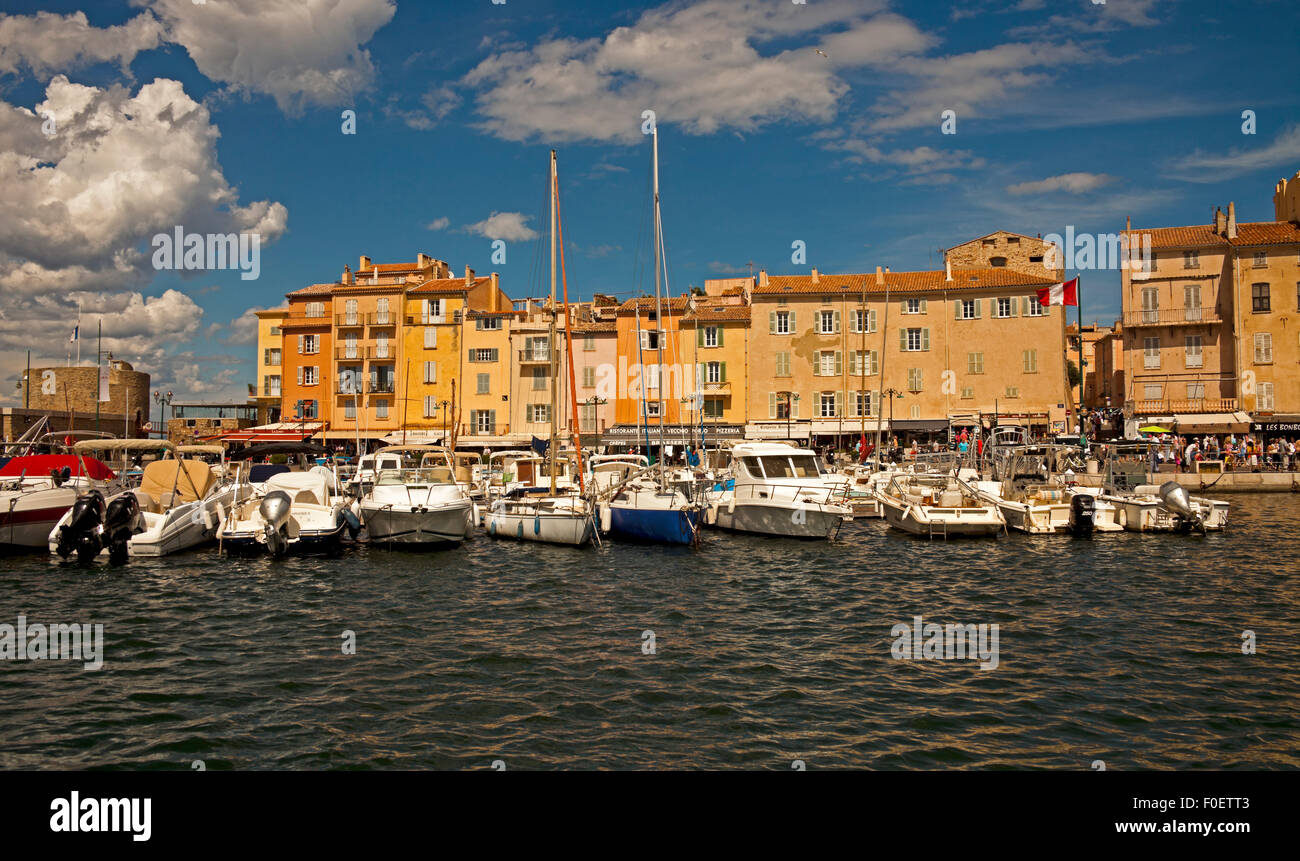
76,331
1066,293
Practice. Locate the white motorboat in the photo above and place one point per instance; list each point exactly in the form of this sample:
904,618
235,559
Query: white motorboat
421,503
937,506
533,514
1037,509
290,512
607,470
778,489
37,490
1167,508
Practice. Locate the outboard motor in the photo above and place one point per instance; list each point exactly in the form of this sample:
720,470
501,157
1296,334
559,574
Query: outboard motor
83,533
1083,511
59,476
1175,498
275,509
121,521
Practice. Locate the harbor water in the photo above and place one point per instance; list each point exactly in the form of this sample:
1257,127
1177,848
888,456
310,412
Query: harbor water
745,652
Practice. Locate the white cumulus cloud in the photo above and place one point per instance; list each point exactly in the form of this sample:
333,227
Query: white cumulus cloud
1071,183
511,226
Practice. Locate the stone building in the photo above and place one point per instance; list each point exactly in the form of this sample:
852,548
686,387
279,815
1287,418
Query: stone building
1004,249
57,391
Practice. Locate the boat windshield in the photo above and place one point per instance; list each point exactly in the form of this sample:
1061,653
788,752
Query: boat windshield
422,475
789,466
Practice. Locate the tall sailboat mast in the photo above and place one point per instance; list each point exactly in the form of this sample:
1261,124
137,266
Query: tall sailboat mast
550,341
660,332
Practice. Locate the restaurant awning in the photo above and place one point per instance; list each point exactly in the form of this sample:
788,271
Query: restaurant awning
278,432
1211,422
919,425
1286,424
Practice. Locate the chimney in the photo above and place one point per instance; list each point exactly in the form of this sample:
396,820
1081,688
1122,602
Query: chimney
364,264
1220,222
947,269
469,278
347,275
816,279
374,274
1232,220
880,277
762,278
494,299
423,261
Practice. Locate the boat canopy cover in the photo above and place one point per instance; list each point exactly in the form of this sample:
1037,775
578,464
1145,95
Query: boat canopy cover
312,486
189,479
270,448
123,445
260,472
41,464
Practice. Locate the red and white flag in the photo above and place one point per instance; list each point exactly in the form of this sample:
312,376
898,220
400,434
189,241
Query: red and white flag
1066,293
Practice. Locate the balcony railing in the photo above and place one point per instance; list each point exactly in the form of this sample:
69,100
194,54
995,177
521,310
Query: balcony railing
1193,405
1172,317
382,387
366,352
347,320
534,356
382,318
723,388
432,319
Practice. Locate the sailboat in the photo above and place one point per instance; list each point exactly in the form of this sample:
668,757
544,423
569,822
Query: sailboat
546,514
648,506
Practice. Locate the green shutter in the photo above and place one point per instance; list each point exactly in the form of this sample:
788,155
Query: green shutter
699,334
978,304
871,320
839,363
1025,303
721,329
839,403
956,309
722,370
793,328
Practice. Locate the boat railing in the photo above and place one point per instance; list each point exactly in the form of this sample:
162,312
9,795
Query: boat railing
820,493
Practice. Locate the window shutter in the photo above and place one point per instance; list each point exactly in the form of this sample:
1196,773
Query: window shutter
978,303
1012,303
771,405
837,322
925,339
956,309
771,322
793,327
853,363
699,334
300,343
839,404
721,329
925,306
839,363
1024,305
300,375
722,370
871,320
902,339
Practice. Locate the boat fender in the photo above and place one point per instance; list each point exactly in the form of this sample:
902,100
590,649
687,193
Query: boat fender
537,525
606,518
731,505
520,531
347,516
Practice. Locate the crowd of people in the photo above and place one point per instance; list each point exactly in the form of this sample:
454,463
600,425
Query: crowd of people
1237,453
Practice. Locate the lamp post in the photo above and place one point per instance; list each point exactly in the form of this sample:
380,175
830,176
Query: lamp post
162,400
443,404
790,399
891,393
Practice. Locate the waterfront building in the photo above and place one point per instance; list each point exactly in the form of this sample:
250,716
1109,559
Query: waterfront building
1093,379
270,361
830,353
1030,255
595,359
1208,345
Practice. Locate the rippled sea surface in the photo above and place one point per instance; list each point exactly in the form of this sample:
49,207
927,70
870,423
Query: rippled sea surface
1125,648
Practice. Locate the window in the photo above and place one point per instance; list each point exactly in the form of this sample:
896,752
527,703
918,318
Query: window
968,309
914,379
998,261
1012,391
381,408
862,404
1263,348
382,317
1034,308
483,354
539,413
1031,361
782,365
710,336
1193,356
864,320
588,377
1006,307
1196,391
1261,259
483,421
536,349
587,417
1192,302
310,375
432,311
350,315
489,324
780,322
315,309
588,343
350,411
914,306
974,363
271,357
271,385
713,408
914,340
649,339
430,406
652,409
864,363
308,344
348,378
650,373
431,372
350,346
1259,298
1150,305
1035,258
828,322
828,405
307,409
1151,392
430,338
1191,260
1264,401
539,379
484,384
968,392
713,372
826,363
1150,352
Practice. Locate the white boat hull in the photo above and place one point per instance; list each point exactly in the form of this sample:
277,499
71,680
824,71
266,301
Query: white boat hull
782,518
405,524
935,522
513,520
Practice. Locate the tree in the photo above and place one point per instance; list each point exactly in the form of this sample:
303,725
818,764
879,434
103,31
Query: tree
1072,370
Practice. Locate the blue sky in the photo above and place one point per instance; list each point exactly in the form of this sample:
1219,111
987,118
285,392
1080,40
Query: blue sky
778,122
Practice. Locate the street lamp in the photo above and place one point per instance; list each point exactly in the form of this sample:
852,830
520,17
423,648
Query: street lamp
891,393
443,404
162,400
791,398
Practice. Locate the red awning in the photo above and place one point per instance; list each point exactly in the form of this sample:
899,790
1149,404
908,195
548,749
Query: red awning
255,435
40,465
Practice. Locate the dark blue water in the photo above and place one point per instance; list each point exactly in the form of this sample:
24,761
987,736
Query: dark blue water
1124,648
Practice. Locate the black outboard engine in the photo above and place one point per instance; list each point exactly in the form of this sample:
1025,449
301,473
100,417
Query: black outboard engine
1083,509
120,521
60,476
84,530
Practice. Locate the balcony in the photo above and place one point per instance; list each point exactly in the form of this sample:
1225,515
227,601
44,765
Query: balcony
723,388
380,387
381,318
1196,405
347,321
366,352
298,321
535,356
432,319
1172,317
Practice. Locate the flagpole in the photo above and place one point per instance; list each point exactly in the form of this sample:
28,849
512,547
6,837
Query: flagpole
1078,298
99,343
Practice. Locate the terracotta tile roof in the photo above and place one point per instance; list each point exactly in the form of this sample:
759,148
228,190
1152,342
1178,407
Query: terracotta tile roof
446,285
648,303
1203,235
903,282
312,290
596,326
719,314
